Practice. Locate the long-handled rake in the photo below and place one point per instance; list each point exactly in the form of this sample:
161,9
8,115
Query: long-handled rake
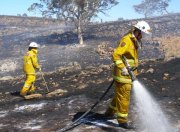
42,74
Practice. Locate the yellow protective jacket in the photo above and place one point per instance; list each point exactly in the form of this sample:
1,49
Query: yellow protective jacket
127,46
31,62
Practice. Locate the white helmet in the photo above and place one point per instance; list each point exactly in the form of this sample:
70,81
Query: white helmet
143,26
33,44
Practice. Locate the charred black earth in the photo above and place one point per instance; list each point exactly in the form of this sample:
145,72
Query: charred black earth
84,88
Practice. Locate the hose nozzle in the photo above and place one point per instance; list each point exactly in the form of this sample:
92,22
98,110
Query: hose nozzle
130,70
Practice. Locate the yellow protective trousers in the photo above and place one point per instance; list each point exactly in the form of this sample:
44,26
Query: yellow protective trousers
119,105
28,85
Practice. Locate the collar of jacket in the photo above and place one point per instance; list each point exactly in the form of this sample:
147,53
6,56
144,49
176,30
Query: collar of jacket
35,51
131,35
134,40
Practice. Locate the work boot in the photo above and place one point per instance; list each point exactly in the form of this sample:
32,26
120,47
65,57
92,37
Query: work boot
24,91
33,92
126,125
110,114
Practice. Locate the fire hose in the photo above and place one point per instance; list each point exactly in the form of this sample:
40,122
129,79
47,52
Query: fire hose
74,124
130,70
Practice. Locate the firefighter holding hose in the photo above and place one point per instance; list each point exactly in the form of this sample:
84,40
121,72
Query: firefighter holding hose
127,48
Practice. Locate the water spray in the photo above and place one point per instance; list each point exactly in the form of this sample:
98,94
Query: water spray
151,116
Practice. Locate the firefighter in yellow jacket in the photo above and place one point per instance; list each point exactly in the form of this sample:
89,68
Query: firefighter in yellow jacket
127,47
30,66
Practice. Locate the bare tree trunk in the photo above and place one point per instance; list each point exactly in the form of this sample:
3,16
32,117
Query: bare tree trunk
145,14
80,35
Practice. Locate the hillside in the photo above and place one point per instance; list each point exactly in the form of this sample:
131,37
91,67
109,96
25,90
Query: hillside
17,32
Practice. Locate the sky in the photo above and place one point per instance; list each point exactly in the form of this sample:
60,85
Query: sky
123,10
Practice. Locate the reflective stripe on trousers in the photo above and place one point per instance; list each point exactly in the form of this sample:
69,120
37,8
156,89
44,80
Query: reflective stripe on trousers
28,85
122,95
122,80
119,115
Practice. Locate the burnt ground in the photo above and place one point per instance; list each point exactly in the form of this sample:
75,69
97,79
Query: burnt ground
84,88
84,71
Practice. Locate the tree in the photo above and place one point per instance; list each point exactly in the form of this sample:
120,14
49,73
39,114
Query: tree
151,7
80,12
24,15
120,19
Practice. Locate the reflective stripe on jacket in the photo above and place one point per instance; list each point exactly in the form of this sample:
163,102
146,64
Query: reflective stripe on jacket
127,47
31,62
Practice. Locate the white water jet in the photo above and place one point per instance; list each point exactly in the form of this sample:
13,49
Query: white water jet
151,116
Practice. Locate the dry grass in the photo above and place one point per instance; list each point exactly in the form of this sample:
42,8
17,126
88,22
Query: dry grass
171,46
